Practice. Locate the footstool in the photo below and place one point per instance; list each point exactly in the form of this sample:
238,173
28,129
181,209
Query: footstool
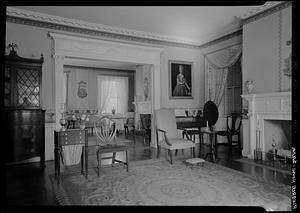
194,161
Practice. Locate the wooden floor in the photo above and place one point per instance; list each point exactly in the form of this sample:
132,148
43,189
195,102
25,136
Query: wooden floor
28,184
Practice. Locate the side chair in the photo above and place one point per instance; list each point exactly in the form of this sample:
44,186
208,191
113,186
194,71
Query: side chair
107,142
233,128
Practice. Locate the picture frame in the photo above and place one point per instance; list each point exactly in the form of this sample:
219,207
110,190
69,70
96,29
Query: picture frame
180,84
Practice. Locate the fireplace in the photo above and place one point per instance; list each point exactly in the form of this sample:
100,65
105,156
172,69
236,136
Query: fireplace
269,123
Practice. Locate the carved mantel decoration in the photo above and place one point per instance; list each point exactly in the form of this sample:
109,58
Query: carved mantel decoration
261,107
288,62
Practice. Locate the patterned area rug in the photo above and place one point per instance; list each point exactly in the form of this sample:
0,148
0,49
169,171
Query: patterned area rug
157,182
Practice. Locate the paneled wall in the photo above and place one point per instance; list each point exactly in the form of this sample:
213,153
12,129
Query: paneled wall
89,76
265,49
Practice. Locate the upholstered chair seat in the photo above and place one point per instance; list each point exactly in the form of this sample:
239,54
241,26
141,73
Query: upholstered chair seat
168,136
178,143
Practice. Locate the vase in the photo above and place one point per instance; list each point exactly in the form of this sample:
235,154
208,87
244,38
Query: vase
249,85
82,126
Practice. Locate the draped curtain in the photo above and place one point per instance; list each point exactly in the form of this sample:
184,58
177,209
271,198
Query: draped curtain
112,94
217,65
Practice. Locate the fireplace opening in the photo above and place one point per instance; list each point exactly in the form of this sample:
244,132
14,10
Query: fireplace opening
276,147
277,135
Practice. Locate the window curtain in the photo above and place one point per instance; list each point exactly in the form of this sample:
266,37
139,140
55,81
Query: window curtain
112,94
217,66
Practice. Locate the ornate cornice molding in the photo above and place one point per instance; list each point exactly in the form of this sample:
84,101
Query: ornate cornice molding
235,33
265,10
106,32
97,34
25,17
82,26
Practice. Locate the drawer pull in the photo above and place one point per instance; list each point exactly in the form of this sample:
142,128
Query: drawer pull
66,138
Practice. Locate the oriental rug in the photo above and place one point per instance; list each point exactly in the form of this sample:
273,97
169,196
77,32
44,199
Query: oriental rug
157,182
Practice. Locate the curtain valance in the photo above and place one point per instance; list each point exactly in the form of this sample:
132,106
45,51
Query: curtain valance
216,65
224,58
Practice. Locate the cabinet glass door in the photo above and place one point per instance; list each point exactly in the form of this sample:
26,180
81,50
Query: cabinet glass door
28,88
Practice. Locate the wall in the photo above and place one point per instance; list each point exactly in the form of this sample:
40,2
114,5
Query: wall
264,51
182,54
33,41
89,75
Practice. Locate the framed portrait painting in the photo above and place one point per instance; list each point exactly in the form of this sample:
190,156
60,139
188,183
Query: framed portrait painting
180,80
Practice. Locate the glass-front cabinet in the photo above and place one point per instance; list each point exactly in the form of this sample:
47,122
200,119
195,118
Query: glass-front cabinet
24,116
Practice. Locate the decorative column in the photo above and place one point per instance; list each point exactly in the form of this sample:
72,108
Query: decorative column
252,124
59,85
156,100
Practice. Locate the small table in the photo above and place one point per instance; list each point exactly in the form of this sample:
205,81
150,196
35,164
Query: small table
112,148
213,138
66,138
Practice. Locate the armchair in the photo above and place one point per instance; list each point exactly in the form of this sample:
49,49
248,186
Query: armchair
167,135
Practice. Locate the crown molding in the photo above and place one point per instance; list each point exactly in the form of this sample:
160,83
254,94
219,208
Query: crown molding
45,18
26,17
59,36
265,10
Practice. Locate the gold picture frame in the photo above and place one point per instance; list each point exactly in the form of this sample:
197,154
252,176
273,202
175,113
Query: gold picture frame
180,79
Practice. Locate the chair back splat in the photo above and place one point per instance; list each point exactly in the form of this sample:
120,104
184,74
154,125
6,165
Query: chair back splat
234,122
105,129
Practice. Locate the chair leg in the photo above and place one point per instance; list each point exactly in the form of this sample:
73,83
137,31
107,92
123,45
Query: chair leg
113,158
99,162
170,154
158,151
127,161
200,143
239,144
229,137
82,154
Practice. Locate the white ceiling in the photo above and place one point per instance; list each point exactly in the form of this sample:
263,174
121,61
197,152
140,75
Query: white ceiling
186,22
191,23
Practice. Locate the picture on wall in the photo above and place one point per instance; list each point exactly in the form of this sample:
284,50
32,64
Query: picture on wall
180,80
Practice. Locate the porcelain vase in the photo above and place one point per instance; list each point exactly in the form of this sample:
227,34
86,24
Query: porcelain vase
250,86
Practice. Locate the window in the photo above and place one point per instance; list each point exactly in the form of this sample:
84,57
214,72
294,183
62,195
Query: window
234,88
112,94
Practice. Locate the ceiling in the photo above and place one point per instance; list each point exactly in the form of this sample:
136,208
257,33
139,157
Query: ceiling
197,23
192,23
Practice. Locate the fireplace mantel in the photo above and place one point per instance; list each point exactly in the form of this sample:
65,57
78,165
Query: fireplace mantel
264,106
